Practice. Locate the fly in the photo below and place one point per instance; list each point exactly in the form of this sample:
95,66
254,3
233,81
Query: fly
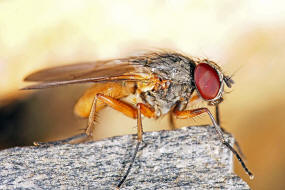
165,82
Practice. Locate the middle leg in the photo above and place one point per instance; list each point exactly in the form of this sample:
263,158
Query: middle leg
129,111
149,112
122,107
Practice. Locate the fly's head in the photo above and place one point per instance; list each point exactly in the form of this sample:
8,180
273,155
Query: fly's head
209,81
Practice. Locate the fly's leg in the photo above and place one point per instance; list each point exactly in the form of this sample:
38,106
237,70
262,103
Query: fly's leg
149,112
90,125
218,115
88,106
171,117
192,113
172,121
218,120
129,111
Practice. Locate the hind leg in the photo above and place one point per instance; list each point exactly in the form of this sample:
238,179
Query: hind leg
87,107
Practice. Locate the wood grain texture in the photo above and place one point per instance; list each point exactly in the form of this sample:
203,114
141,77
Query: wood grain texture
188,158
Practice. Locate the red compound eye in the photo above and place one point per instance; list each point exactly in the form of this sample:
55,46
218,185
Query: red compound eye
207,81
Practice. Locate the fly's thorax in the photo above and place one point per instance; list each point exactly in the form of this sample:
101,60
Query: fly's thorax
171,82
172,66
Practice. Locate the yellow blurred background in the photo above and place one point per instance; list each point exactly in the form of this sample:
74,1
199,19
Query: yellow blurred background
246,38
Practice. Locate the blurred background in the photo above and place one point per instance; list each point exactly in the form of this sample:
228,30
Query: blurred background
245,37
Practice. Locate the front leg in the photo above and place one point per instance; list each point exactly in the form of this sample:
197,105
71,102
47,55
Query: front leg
192,113
218,120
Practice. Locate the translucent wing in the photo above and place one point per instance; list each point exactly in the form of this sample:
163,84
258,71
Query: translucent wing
99,71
